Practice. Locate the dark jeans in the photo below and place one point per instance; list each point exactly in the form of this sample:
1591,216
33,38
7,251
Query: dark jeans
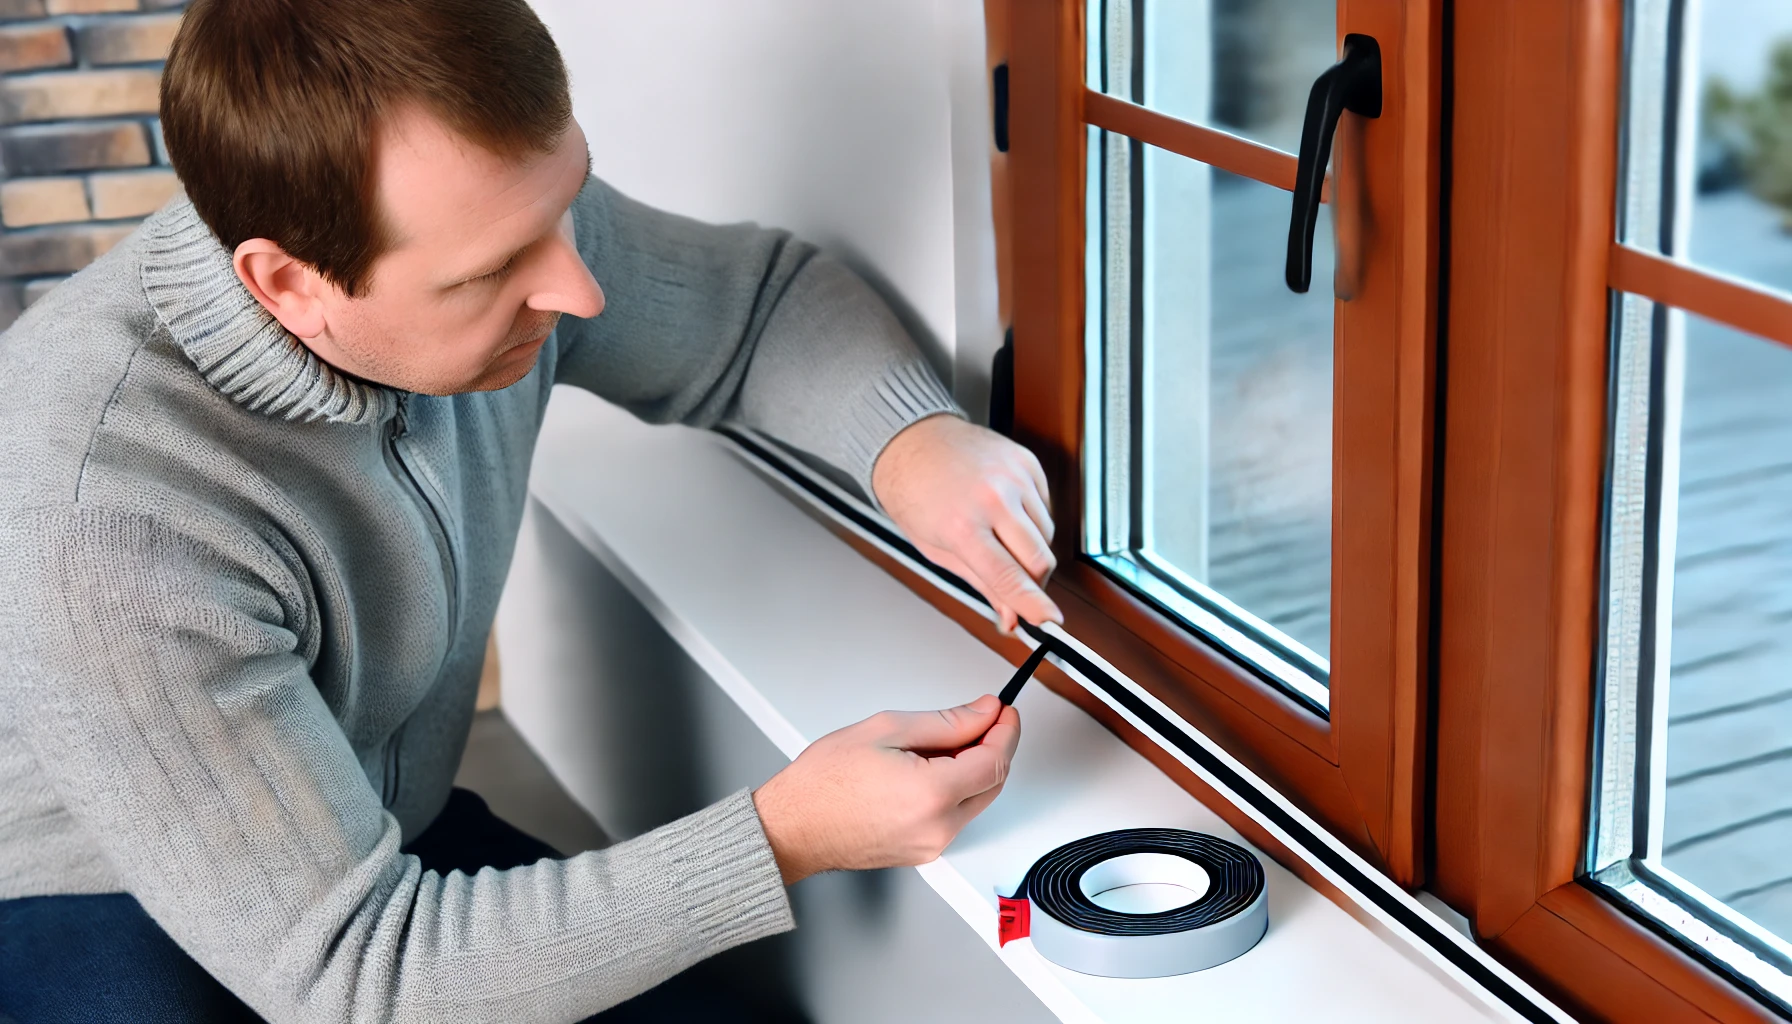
97,959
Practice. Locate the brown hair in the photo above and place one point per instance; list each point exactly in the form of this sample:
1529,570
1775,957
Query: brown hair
270,108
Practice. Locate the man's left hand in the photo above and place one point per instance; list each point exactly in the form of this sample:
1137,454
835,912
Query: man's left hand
977,504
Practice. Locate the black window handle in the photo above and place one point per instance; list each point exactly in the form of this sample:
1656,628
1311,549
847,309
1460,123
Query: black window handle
1353,84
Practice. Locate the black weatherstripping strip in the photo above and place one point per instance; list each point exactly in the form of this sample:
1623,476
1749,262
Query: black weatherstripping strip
1359,881
1054,882
1021,675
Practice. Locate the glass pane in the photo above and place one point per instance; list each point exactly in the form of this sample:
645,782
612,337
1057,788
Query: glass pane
1693,799
1254,60
1270,395
1737,190
1210,384
1728,795
1743,208
1695,785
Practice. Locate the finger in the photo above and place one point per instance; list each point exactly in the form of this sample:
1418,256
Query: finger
1036,500
1037,472
1009,581
1006,619
979,768
1004,736
947,729
973,770
1036,509
1020,535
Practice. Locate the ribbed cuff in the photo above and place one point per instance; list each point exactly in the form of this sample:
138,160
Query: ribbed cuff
906,394
731,887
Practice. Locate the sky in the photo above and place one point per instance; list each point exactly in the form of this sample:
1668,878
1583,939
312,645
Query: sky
1737,35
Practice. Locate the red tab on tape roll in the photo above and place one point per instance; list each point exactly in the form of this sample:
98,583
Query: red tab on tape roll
1016,917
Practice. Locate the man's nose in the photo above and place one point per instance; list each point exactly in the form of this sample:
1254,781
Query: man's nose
567,285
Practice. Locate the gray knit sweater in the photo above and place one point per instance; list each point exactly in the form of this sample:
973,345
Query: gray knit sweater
244,601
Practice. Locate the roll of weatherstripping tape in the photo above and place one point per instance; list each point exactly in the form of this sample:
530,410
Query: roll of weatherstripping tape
1056,904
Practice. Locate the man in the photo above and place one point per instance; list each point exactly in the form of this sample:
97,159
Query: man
266,463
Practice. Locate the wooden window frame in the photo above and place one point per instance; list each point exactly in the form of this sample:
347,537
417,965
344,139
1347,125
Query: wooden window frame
1362,770
1534,265
1466,762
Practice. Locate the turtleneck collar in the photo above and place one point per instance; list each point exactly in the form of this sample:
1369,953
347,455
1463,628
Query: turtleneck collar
238,347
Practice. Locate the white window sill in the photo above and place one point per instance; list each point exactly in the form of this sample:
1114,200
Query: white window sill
805,636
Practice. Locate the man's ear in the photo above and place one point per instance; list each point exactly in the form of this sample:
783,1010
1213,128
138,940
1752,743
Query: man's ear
285,287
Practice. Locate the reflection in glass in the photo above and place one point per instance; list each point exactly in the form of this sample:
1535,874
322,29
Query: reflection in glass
1270,395
1210,408
1693,802
1741,207
1266,54
1727,821
1693,794
1257,60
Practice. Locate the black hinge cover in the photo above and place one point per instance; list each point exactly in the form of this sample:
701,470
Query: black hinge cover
999,92
1001,388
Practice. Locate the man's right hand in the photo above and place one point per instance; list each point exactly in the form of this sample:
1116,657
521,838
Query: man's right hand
891,791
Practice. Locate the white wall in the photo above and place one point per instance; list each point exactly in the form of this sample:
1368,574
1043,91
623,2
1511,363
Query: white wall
836,120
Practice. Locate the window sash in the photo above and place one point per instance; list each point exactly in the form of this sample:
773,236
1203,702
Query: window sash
1534,256
1361,771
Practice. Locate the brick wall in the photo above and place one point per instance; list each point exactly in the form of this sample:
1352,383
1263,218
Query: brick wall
81,155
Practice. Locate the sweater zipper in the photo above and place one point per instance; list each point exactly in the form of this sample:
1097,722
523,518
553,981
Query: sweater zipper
438,528
432,515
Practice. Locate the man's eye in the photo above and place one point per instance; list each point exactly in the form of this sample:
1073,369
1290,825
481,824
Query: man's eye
497,275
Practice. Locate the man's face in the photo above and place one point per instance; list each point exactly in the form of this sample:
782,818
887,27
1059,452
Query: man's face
481,263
